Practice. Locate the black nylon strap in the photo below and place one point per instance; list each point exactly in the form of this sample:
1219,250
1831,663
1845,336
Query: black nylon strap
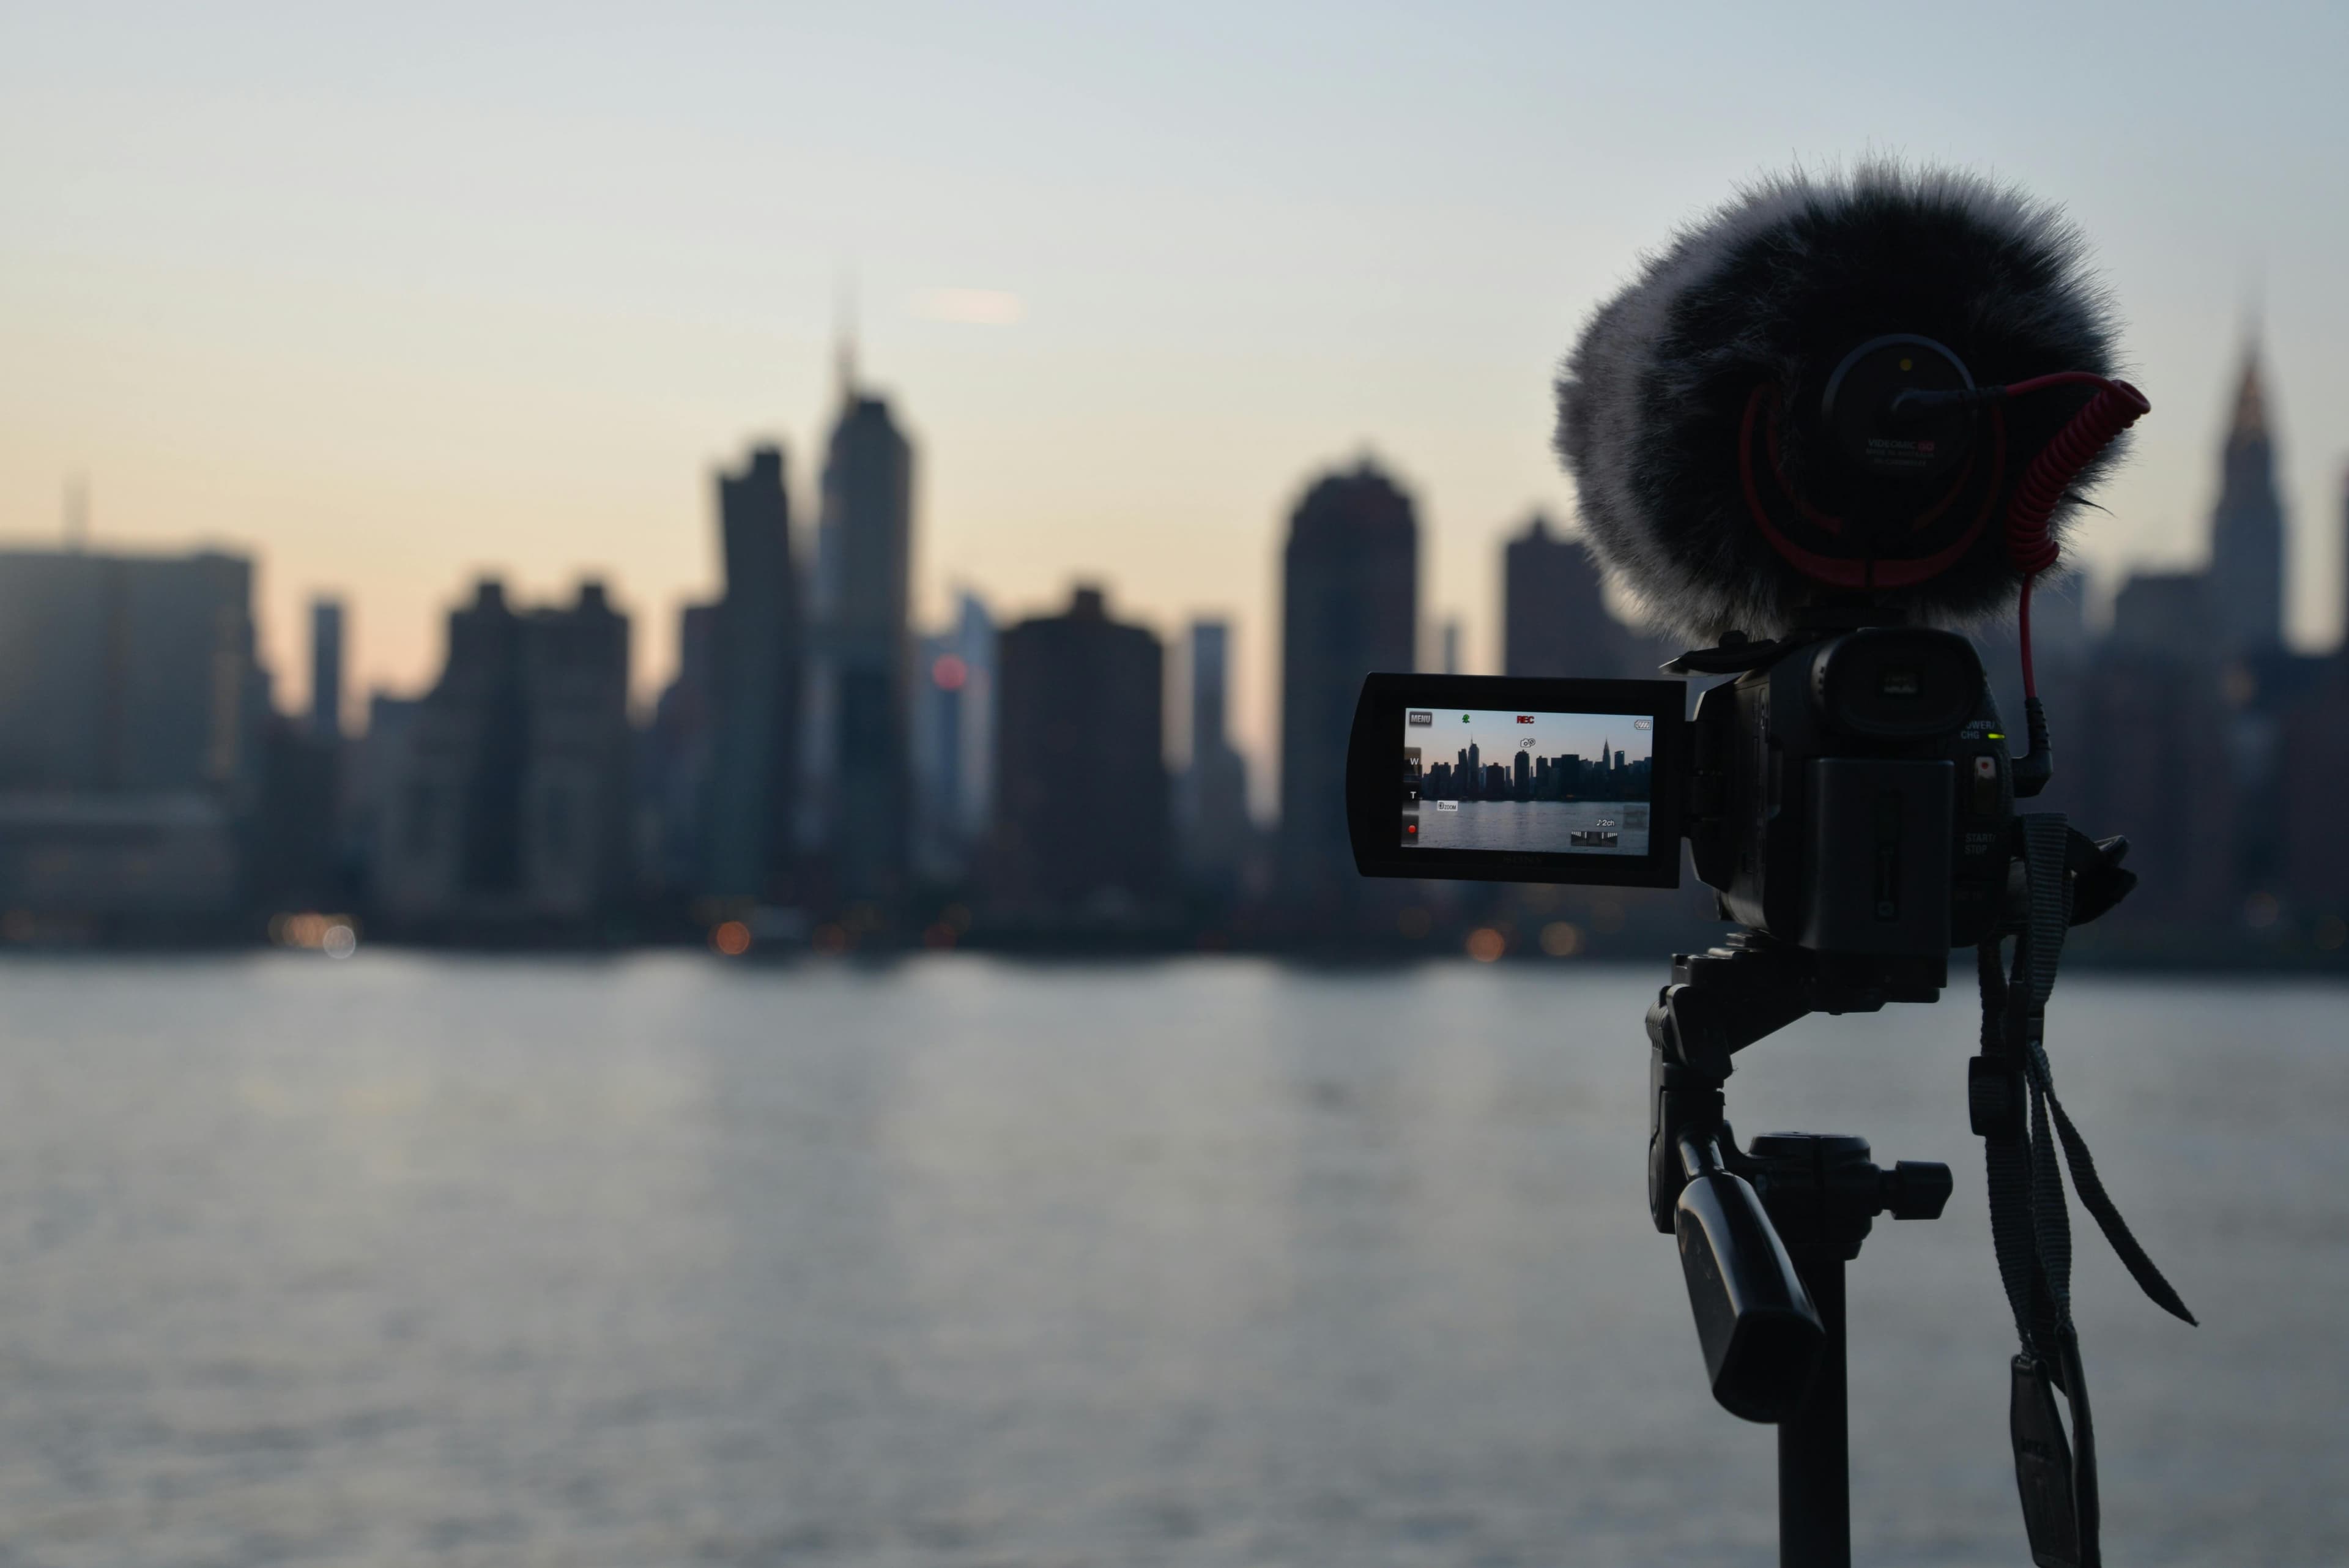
2051,1219
2046,838
2086,1502
2032,1228
2030,1224
2006,1152
2108,1218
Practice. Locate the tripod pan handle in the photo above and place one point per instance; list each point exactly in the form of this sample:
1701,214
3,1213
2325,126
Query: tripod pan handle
1760,1331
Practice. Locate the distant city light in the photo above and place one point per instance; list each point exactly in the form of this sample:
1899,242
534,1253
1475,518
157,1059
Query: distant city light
732,938
336,935
949,673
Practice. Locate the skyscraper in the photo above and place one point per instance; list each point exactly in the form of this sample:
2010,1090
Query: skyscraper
858,715
513,805
2171,612
1213,798
128,673
2151,759
975,646
1211,653
132,714
325,668
2246,526
678,764
1349,606
295,855
1081,828
953,735
1555,619
2312,832
755,675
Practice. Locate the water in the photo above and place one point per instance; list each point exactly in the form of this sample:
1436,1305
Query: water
660,1261
1532,825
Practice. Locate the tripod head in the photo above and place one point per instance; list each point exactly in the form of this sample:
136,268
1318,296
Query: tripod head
1742,1217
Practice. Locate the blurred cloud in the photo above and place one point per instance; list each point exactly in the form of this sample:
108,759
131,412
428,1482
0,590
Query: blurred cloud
969,306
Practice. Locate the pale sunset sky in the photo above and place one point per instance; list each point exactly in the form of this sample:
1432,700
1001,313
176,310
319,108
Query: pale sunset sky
392,296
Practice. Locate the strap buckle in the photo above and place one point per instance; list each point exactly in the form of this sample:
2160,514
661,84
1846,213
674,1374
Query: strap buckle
2043,1468
1995,1099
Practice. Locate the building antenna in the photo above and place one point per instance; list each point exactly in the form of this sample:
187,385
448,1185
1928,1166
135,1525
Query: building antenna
77,512
2254,316
843,333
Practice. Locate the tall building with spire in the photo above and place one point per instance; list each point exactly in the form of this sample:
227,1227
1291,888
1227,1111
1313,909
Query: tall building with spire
858,764
2246,526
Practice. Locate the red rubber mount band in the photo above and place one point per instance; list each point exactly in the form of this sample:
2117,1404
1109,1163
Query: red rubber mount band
2115,408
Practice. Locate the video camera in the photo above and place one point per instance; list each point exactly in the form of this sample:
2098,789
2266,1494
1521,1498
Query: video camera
1779,454
1852,794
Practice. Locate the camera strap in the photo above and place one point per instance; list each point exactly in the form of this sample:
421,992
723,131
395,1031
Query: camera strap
2012,1092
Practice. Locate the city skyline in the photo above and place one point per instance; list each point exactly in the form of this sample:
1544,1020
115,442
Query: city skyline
467,312
2312,610
2249,407
520,799
1497,734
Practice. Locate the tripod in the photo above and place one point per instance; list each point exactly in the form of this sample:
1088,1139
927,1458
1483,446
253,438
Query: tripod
1765,1231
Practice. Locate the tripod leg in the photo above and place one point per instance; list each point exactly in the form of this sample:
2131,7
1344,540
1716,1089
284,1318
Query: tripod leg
1814,1443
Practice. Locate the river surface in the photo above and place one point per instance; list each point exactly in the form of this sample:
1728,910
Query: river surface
664,1260
1545,827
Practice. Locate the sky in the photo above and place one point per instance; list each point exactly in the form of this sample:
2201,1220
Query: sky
393,296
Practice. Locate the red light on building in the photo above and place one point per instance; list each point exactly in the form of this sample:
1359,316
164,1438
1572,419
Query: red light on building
949,673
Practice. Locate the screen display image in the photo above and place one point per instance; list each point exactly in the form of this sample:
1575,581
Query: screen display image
1575,784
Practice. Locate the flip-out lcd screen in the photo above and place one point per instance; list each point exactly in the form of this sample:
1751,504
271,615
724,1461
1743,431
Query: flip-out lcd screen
1550,783
1515,779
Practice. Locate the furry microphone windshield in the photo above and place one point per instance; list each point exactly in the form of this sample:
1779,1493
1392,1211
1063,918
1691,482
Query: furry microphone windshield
1720,480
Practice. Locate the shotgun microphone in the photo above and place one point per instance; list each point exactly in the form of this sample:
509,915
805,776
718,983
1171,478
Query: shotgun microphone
1883,390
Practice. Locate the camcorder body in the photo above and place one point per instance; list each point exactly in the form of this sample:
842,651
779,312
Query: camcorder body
1849,792
1854,797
